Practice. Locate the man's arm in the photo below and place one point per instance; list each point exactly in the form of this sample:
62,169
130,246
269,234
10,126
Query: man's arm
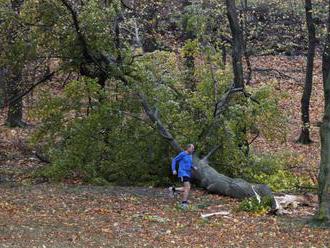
175,160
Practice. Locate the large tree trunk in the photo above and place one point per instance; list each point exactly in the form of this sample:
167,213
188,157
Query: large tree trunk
15,109
305,100
13,79
237,43
244,27
323,215
215,182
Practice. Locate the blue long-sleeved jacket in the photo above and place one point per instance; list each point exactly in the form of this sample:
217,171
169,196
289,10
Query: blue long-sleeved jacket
185,164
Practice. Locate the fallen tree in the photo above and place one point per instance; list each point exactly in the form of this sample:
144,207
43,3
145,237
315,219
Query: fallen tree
215,182
205,175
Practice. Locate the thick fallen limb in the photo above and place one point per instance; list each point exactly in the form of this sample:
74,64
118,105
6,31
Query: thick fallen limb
217,183
208,177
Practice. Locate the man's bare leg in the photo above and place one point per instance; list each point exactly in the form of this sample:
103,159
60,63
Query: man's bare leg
186,190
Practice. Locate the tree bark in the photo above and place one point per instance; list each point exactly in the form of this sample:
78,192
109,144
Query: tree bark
13,79
244,27
237,42
323,215
217,183
305,100
15,109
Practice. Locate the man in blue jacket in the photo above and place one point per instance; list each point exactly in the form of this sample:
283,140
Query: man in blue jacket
184,173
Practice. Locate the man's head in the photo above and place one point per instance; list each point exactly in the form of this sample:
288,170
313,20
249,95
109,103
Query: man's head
190,148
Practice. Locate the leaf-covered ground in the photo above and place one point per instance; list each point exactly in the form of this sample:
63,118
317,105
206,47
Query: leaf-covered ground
66,215
288,75
90,216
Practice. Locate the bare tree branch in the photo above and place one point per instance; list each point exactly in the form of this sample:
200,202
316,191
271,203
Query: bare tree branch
280,74
213,150
155,119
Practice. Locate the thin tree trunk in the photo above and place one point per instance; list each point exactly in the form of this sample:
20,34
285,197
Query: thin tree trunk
149,43
189,59
323,215
305,100
237,42
244,28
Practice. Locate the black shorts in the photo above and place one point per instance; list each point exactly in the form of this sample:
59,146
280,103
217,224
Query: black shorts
185,179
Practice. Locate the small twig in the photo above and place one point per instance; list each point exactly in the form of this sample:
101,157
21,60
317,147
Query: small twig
216,213
254,138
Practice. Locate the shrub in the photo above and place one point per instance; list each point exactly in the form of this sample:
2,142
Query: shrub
273,170
254,206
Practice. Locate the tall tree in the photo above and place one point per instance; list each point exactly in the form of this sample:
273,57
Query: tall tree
323,215
244,27
13,75
305,100
237,43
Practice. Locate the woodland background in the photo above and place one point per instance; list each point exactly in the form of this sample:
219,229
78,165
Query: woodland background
81,164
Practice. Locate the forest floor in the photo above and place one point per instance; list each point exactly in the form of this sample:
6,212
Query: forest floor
36,214
47,215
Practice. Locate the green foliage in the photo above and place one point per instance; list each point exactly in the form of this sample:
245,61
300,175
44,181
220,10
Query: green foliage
273,170
252,205
17,43
241,123
101,134
96,141
93,133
